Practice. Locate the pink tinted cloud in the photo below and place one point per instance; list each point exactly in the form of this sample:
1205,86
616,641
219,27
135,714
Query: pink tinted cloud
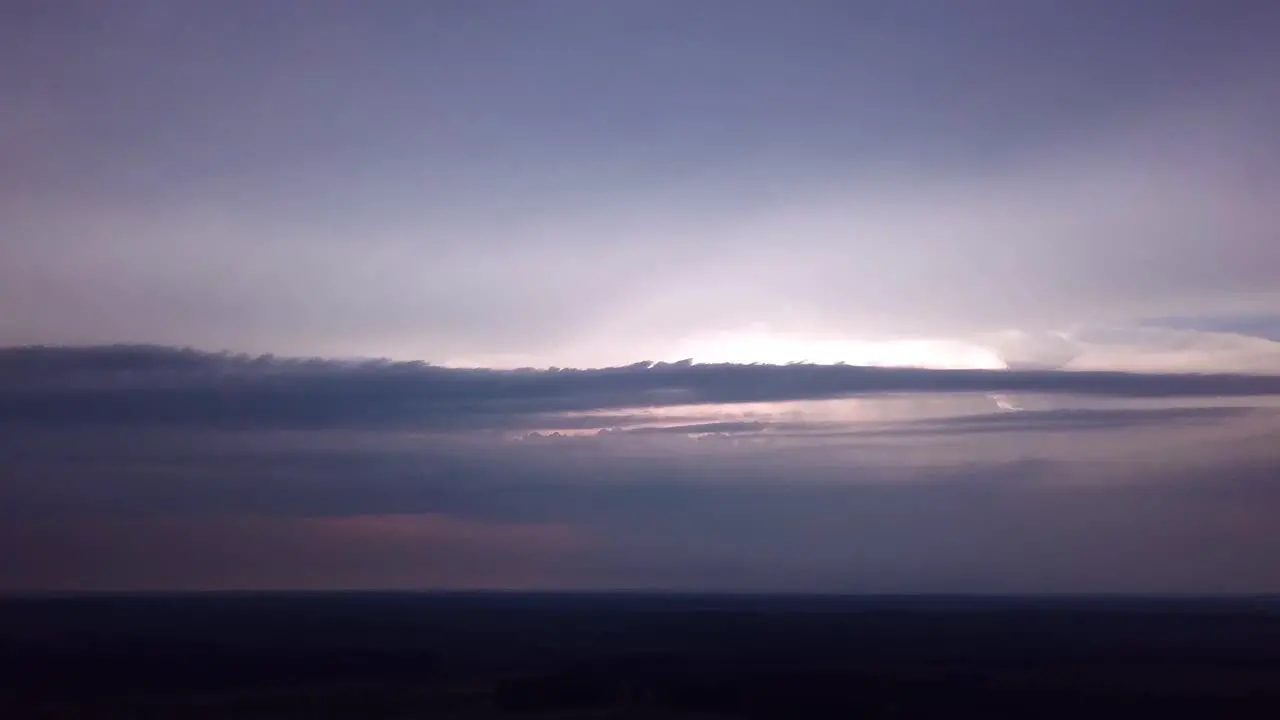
233,552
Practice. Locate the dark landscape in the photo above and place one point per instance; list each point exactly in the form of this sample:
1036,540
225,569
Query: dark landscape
480,655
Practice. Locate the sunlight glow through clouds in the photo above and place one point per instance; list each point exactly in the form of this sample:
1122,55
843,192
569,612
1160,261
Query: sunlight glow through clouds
760,345
757,343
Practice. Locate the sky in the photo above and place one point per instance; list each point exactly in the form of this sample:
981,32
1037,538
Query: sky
857,296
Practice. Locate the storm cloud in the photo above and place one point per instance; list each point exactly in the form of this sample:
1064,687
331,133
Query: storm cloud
911,296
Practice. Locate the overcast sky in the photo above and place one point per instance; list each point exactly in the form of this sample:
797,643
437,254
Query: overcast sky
586,183
1011,198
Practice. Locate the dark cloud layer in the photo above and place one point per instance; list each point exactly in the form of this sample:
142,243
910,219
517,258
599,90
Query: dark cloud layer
156,468
142,385
510,515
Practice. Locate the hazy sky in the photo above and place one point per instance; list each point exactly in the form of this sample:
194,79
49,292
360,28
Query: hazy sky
585,183
1076,187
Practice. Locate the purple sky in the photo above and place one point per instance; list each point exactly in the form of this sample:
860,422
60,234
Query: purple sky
581,183
1075,187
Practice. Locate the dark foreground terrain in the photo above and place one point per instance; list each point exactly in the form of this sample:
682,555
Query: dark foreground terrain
636,656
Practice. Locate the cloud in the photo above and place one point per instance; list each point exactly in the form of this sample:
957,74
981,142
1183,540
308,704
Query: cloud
1070,419
102,551
460,194
153,386
519,516
1145,348
1259,326
1151,485
598,214
1063,419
